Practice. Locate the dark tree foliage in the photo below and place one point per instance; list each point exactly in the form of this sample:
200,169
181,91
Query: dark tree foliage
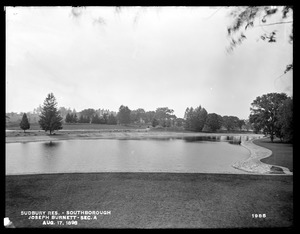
195,119
112,120
88,113
265,112
214,121
255,123
241,123
71,118
74,118
96,119
138,115
154,122
104,118
81,119
188,116
50,119
247,124
24,125
179,122
84,119
230,122
68,118
284,125
149,115
164,115
124,115
251,16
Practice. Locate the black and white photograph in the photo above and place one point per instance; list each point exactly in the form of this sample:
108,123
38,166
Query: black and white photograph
149,117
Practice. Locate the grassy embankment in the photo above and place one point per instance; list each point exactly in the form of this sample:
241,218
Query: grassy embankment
79,126
155,200
101,131
282,153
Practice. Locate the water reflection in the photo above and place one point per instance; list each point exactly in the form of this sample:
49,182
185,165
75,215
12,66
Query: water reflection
229,139
175,154
49,152
51,144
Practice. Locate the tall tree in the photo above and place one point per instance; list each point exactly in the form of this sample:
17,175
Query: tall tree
96,119
200,115
230,122
138,115
124,115
164,115
81,119
188,116
50,119
240,123
105,118
75,119
195,118
88,113
111,119
214,121
68,118
247,124
285,120
141,114
149,115
264,112
154,122
24,123
179,122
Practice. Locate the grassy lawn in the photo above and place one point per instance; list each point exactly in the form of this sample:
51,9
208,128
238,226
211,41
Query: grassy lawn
282,153
83,126
155,200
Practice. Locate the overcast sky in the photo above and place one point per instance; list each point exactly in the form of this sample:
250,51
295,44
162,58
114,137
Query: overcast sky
139,57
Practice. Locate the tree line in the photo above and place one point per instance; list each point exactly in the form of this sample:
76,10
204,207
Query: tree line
199,120
270,113
194,119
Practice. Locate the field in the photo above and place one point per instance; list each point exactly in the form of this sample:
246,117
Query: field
155,200
81,126
282,153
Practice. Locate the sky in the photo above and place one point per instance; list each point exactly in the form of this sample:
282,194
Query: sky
140,57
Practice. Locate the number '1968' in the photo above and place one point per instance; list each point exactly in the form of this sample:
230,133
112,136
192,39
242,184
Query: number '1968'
259,216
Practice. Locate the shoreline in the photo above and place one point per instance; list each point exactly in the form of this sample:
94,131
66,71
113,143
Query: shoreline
253,164
37,136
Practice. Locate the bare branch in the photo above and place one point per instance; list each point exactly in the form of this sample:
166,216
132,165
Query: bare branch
286,22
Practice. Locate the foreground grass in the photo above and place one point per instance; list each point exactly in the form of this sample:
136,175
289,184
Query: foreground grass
282,153
155,200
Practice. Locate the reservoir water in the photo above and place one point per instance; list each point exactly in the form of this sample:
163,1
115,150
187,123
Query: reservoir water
191,155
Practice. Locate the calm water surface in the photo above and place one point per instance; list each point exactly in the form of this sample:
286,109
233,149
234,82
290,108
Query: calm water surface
194,154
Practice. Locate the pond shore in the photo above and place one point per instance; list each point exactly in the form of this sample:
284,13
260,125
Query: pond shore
35,136
254,164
